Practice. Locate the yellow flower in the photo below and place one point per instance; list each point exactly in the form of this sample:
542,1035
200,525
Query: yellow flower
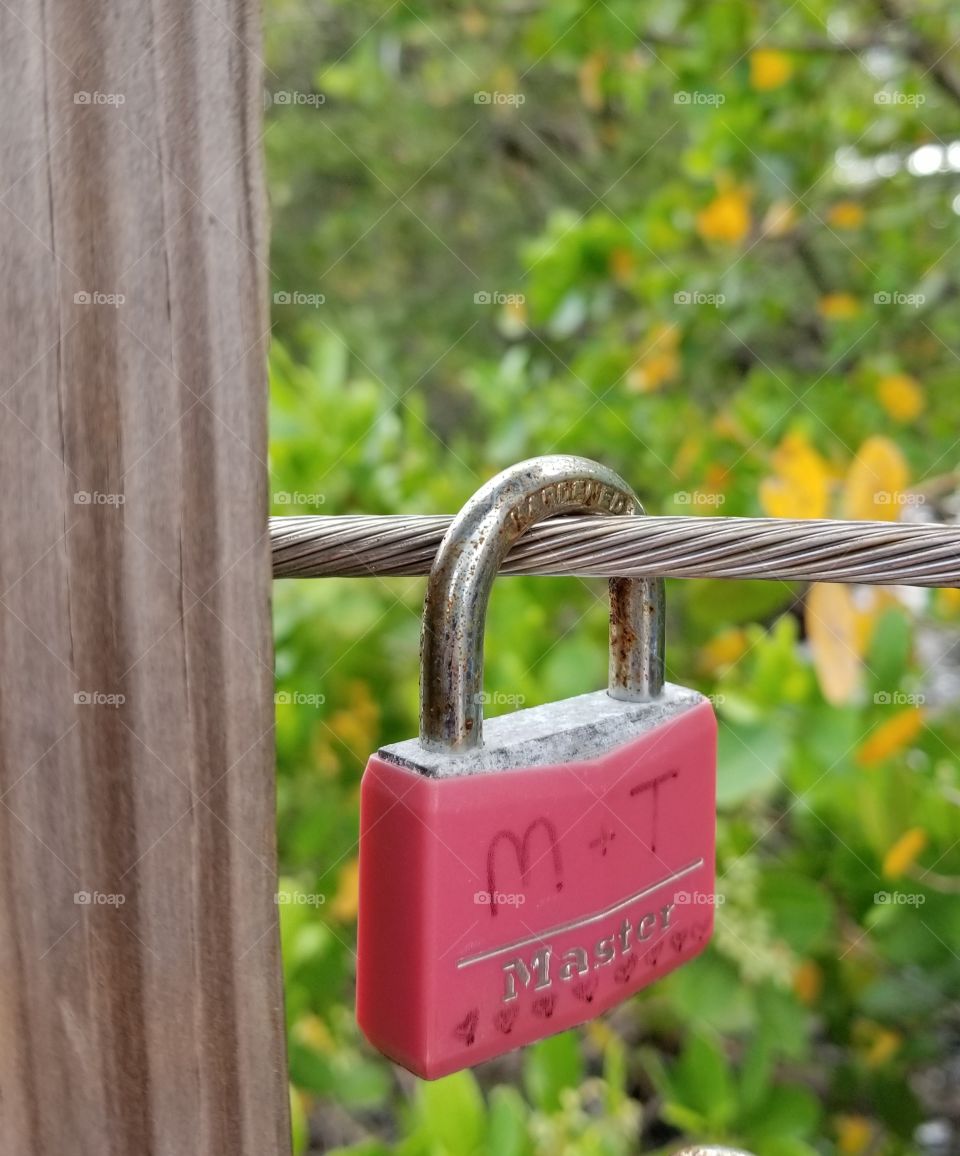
903,854
800,486
846,215
948,600
658,362
312,1031
877,476
891,737
653,371
838,306
723,650
853,1134
622,263
590,80
808,982
346,900
356,725
901,396
718,477
769,69
726,218
884,1045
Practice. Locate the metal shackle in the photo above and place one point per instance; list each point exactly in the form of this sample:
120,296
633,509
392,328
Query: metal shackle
469,557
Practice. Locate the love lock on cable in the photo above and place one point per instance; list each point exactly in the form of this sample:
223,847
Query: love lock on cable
520,882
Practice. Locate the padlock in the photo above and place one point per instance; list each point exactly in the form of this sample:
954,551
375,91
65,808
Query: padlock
517,883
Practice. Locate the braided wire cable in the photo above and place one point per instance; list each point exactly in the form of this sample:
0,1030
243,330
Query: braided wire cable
815,550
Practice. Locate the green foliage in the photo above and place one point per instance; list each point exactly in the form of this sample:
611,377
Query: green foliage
682,239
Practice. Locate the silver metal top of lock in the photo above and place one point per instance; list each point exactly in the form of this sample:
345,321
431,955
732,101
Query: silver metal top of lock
574,730
711,1150
458,589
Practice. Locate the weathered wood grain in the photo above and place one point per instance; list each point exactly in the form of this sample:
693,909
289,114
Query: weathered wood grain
152,1023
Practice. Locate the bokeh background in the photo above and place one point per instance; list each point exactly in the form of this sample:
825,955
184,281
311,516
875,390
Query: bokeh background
715,246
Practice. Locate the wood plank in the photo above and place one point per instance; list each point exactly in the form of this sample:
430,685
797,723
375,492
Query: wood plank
150,1023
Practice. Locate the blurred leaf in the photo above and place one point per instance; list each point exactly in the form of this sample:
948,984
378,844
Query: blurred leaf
746,601
801,910
831,621
550,1066
889,652
750,760
352,1079
709,992
756,1071
451,1113
786,1112
701,1082
507,1127
299,1125
366,1148
785,1021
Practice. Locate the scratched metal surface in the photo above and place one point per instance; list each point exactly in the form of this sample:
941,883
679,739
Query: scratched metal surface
558,732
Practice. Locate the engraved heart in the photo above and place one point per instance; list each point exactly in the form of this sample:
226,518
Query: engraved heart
505,1018
652,957
466,1029
585,989
543,1006
625,970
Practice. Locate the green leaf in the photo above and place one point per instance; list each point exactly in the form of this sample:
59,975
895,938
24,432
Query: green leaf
451,1113
750,760
709,992
786,1112
299,1125
507,1125
783,1146
550,1066
615,1072
684,1118
702,1081
755,1070
353,1079
801,910
719,600
889,651
366,1148
784,1021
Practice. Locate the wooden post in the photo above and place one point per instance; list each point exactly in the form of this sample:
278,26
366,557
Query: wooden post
140,985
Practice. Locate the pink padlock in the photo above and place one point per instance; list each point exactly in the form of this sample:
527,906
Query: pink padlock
516,885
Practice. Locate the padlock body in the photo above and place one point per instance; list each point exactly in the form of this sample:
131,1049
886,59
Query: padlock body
502,904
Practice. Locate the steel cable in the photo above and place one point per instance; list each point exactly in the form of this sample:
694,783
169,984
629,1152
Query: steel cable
896,553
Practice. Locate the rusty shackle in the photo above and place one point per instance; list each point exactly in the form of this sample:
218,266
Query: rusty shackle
466,564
